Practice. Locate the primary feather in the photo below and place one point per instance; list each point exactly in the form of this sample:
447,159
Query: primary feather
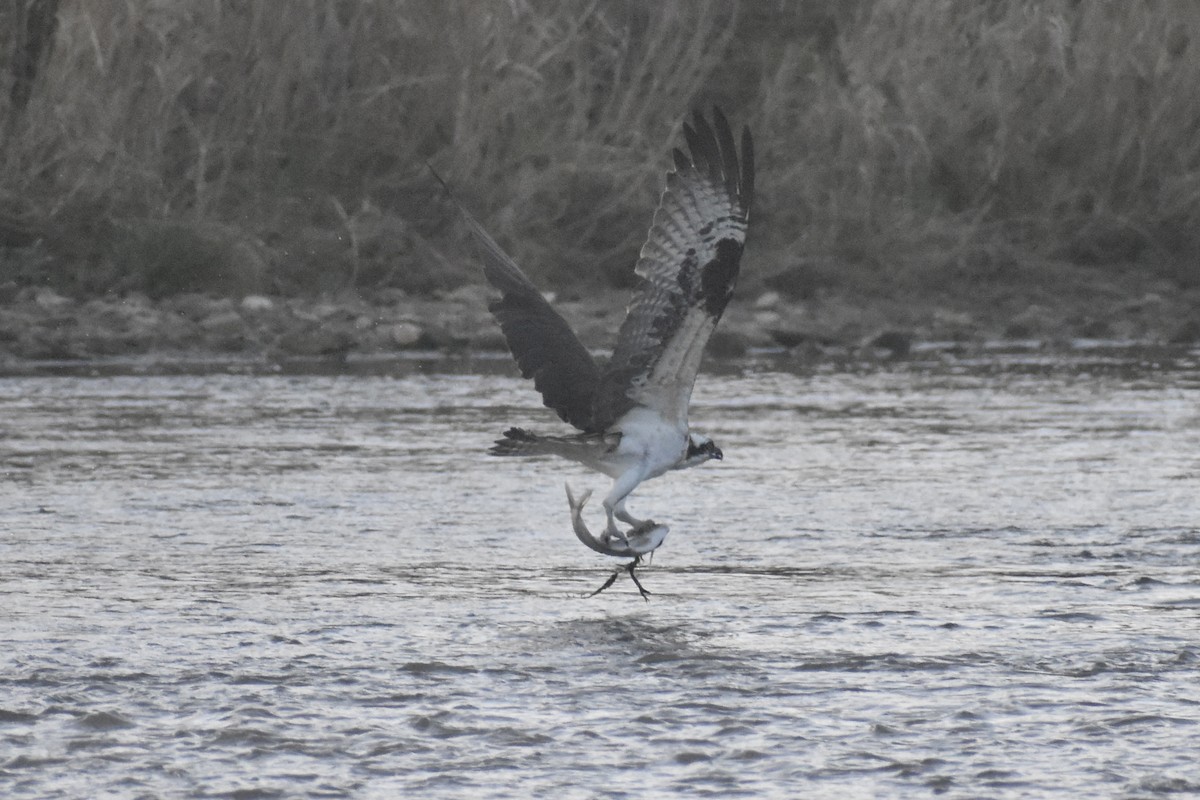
687,269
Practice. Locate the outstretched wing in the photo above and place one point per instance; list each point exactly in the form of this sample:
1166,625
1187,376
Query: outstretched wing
688,268
541,341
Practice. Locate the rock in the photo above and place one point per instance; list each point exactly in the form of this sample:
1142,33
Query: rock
404,334
727,344
119,326
1188,333
103,341
317,340
1150,301
328,309
198,306
788,337
224,322
767,319
170,329
225,331
491,339
944,317
767,300
389,296
50,300
1034,321
438,337
10,329
255,303
1095,329
474,294
50,343
954,325
806,278
897,343
118,312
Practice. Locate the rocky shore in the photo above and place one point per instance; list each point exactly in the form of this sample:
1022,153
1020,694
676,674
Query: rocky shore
39,324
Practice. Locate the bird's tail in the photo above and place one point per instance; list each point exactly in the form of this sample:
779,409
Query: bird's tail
519,442
586,448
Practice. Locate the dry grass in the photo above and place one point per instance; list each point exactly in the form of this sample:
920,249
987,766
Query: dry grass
917,141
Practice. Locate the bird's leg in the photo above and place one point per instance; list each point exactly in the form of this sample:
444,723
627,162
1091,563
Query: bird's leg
630,569
614,505
636,525
611,579
612,532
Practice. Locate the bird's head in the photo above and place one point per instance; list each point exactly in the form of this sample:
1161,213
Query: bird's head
700,449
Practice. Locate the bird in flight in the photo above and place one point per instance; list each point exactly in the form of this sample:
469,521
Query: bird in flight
631,412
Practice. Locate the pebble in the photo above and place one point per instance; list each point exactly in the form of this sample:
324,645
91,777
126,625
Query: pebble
224,323
405,334
1188,333
316,341
44,323
50,299
897,343
198,306
254,303
767,300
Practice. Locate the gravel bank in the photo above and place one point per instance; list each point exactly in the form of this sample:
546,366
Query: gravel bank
38,324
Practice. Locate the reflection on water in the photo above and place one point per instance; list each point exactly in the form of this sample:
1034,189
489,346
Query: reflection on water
976,578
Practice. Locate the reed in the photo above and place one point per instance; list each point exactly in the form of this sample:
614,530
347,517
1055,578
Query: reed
990,135
898,140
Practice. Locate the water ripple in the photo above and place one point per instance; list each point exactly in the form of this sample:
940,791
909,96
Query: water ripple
952,578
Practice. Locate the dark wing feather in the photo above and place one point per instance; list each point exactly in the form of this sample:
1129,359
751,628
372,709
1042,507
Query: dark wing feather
688,268
541,341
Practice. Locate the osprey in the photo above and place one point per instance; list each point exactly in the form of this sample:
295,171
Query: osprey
632,411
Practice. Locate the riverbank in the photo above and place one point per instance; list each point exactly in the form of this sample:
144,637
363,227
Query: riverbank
287,153
40,324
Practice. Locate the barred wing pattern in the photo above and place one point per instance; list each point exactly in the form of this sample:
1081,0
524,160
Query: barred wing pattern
688,268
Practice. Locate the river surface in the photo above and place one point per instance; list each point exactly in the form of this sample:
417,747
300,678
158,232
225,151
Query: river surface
944,576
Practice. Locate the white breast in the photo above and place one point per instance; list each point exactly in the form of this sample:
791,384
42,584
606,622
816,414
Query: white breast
647,438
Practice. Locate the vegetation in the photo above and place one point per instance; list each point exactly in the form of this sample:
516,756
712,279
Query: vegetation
231,146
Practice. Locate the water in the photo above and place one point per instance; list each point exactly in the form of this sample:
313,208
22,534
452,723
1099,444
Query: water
974,579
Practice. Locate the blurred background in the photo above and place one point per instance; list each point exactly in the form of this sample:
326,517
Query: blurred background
235,146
